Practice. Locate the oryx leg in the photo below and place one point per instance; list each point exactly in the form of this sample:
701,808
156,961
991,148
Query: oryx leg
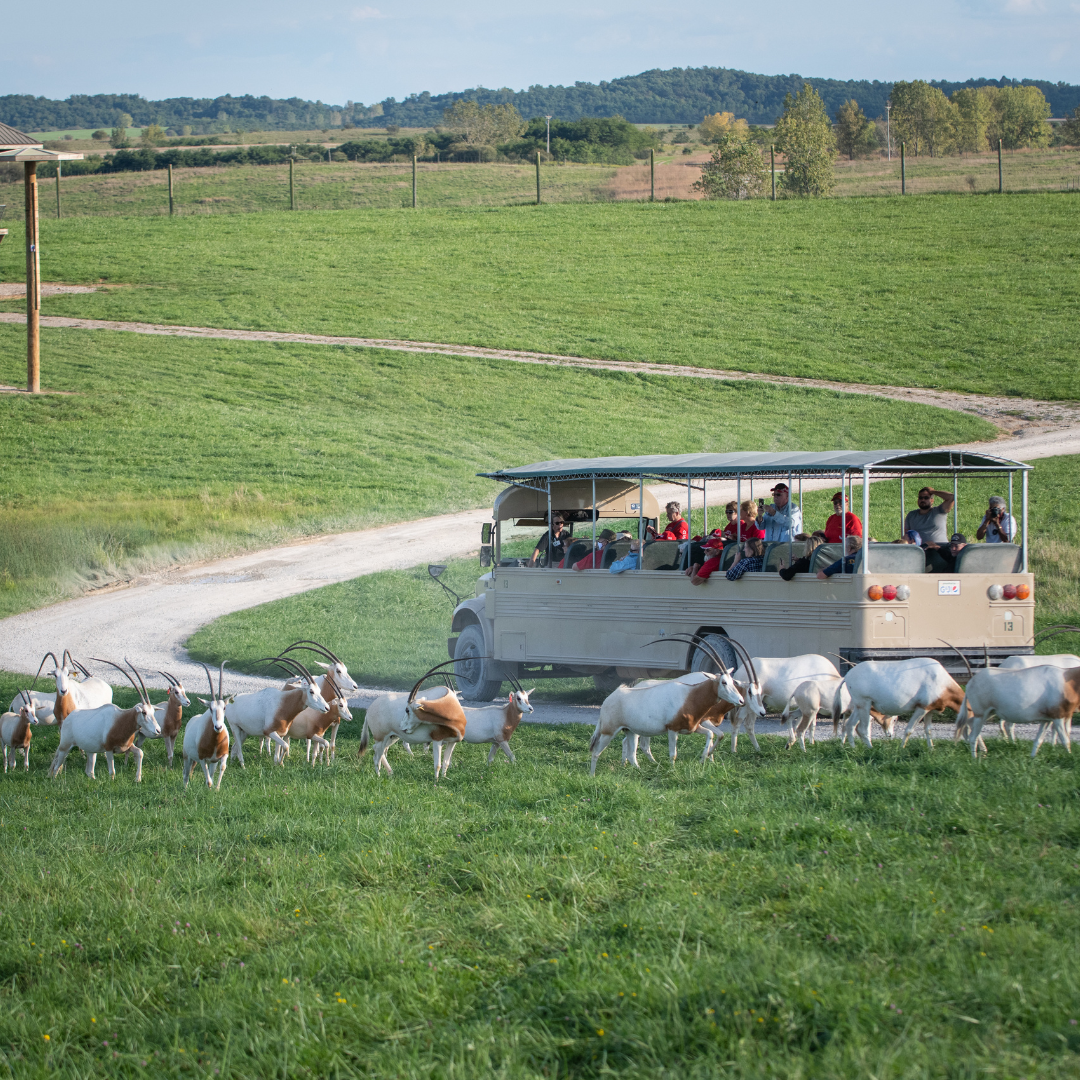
601,746
505,747
378,755
188,766
436,756
206,773
237,747
222,762
630,745
322,746
673,745
915,717
807,721
91,761
282,747
170,744
750,724
58,761
494,750
111,764
448,754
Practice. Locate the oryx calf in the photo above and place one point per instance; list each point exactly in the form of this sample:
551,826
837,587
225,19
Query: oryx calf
494,724
206,738
310,725
108,729
336,680
15,732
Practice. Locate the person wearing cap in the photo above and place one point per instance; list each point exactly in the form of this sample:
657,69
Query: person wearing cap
594,560
846,565
929,521
560,543
942,560
837,526
714,547
783,519
630,561
997,525
677,528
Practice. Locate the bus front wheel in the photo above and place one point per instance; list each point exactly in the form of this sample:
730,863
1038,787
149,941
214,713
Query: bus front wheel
478,678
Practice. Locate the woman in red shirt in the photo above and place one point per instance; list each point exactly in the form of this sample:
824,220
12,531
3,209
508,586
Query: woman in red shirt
677,528
836,527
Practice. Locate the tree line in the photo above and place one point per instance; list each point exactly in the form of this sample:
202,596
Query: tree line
674,95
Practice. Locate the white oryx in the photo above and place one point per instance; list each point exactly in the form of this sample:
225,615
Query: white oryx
494,724
206,738
108,729
1045,695
72,693
437,718
15,733
269,713
341,682
1013,663
917,688
671,705
170,714
818,697
311,725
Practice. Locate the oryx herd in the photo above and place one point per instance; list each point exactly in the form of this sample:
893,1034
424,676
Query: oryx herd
1043,690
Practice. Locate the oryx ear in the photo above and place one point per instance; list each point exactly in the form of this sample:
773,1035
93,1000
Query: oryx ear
202,701
325,667
230,699
532,691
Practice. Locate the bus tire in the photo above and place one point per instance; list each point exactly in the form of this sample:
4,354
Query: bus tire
476,677
702,661
608,681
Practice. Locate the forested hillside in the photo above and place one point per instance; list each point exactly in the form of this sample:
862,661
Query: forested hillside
677,95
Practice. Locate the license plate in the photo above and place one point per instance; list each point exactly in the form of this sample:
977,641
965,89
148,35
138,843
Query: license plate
948,588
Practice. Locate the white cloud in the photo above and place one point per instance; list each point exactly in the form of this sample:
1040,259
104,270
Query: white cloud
367,12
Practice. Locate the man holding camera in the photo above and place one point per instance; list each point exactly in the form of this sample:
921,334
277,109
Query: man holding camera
997,525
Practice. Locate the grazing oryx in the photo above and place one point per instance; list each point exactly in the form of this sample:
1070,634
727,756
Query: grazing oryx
1044,695
780,675
919,687
1015,663
206,738
269,712
341,679
170,714
816,697
670,705
311,725
436,719
494,724
15,731
108,729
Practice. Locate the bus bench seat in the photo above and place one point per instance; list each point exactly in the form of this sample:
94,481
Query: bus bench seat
662,555
989,559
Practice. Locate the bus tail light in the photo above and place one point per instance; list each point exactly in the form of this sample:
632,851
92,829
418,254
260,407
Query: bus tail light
995,592
888,592
1022,592
903,592
1009,592
875,592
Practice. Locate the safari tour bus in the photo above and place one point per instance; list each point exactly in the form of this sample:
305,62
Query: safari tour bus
550,621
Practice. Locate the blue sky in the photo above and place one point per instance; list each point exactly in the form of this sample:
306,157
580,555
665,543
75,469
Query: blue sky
372,49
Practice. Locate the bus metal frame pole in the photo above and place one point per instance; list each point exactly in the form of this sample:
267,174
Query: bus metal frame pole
1024,513
866,520
738,508
33,279
790,531
58,191
551,536
594,518
903,516
843,520
704,509
1012,520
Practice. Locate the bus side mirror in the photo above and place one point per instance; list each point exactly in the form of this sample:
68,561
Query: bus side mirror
485,533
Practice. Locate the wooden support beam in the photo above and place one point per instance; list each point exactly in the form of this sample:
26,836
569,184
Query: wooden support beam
33,279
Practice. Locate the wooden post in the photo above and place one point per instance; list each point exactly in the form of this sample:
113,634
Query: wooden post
33,280
652,176
537,177
58,191
414,181
772,165
170,192
1001,178
903,172
292,190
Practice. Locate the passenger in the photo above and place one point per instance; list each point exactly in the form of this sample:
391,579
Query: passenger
678,528
997,525
837,526
783,519
630,561
929,521
751,529
752,561
730,529
595,559
698,575
559,547
846,565
942,560
802,564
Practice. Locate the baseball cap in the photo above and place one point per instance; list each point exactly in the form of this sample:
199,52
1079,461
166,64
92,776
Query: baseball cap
958,538
837,495
779,487
714,542
606,535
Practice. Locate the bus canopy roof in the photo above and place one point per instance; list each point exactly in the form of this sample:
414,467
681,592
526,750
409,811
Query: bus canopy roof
769,466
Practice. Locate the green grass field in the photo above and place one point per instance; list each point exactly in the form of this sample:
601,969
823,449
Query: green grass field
390,626
889,913
968,293
170,449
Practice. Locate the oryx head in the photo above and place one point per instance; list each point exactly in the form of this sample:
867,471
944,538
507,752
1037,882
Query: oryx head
28,709
304,681
520,698
752,686
216,704
63,672
176,689
147,721
726,687
336,669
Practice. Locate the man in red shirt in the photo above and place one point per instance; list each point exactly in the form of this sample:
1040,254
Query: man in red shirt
595,559
836,527
678,528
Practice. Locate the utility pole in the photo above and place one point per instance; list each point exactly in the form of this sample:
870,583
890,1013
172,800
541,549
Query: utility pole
33,280
903,171
772,162
548,119
292,190
1001,178
58,191
888,125
414,181
537,177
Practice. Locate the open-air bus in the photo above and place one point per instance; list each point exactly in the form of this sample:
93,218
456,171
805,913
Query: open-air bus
553,622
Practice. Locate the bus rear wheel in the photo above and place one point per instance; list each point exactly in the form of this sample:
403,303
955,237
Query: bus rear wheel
702,661
478,678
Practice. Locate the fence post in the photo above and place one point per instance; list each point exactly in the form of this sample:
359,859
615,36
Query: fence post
292,190
170,192
1001,179
58,191
537,177
652,175
414,181
772,165
903,172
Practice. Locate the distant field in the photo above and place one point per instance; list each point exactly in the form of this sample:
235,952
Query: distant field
977,293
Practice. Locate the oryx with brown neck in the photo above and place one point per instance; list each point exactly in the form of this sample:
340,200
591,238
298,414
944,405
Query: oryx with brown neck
494,723
206,738
108,729
15,732
170,714
336,681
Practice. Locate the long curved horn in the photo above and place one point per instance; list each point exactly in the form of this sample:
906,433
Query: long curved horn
98,660
145,692
41,665
698,642
209,679
960,654
740,648
171,679
289,664
68,657
515,682
313,646
78,665
439,667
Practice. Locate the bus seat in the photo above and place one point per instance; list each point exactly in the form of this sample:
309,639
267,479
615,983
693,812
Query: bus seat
662,555
614,552
824,555
894,559
777,552
989,559
578,550
731,555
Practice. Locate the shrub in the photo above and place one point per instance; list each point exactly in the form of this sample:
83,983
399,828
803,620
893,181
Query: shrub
100,135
